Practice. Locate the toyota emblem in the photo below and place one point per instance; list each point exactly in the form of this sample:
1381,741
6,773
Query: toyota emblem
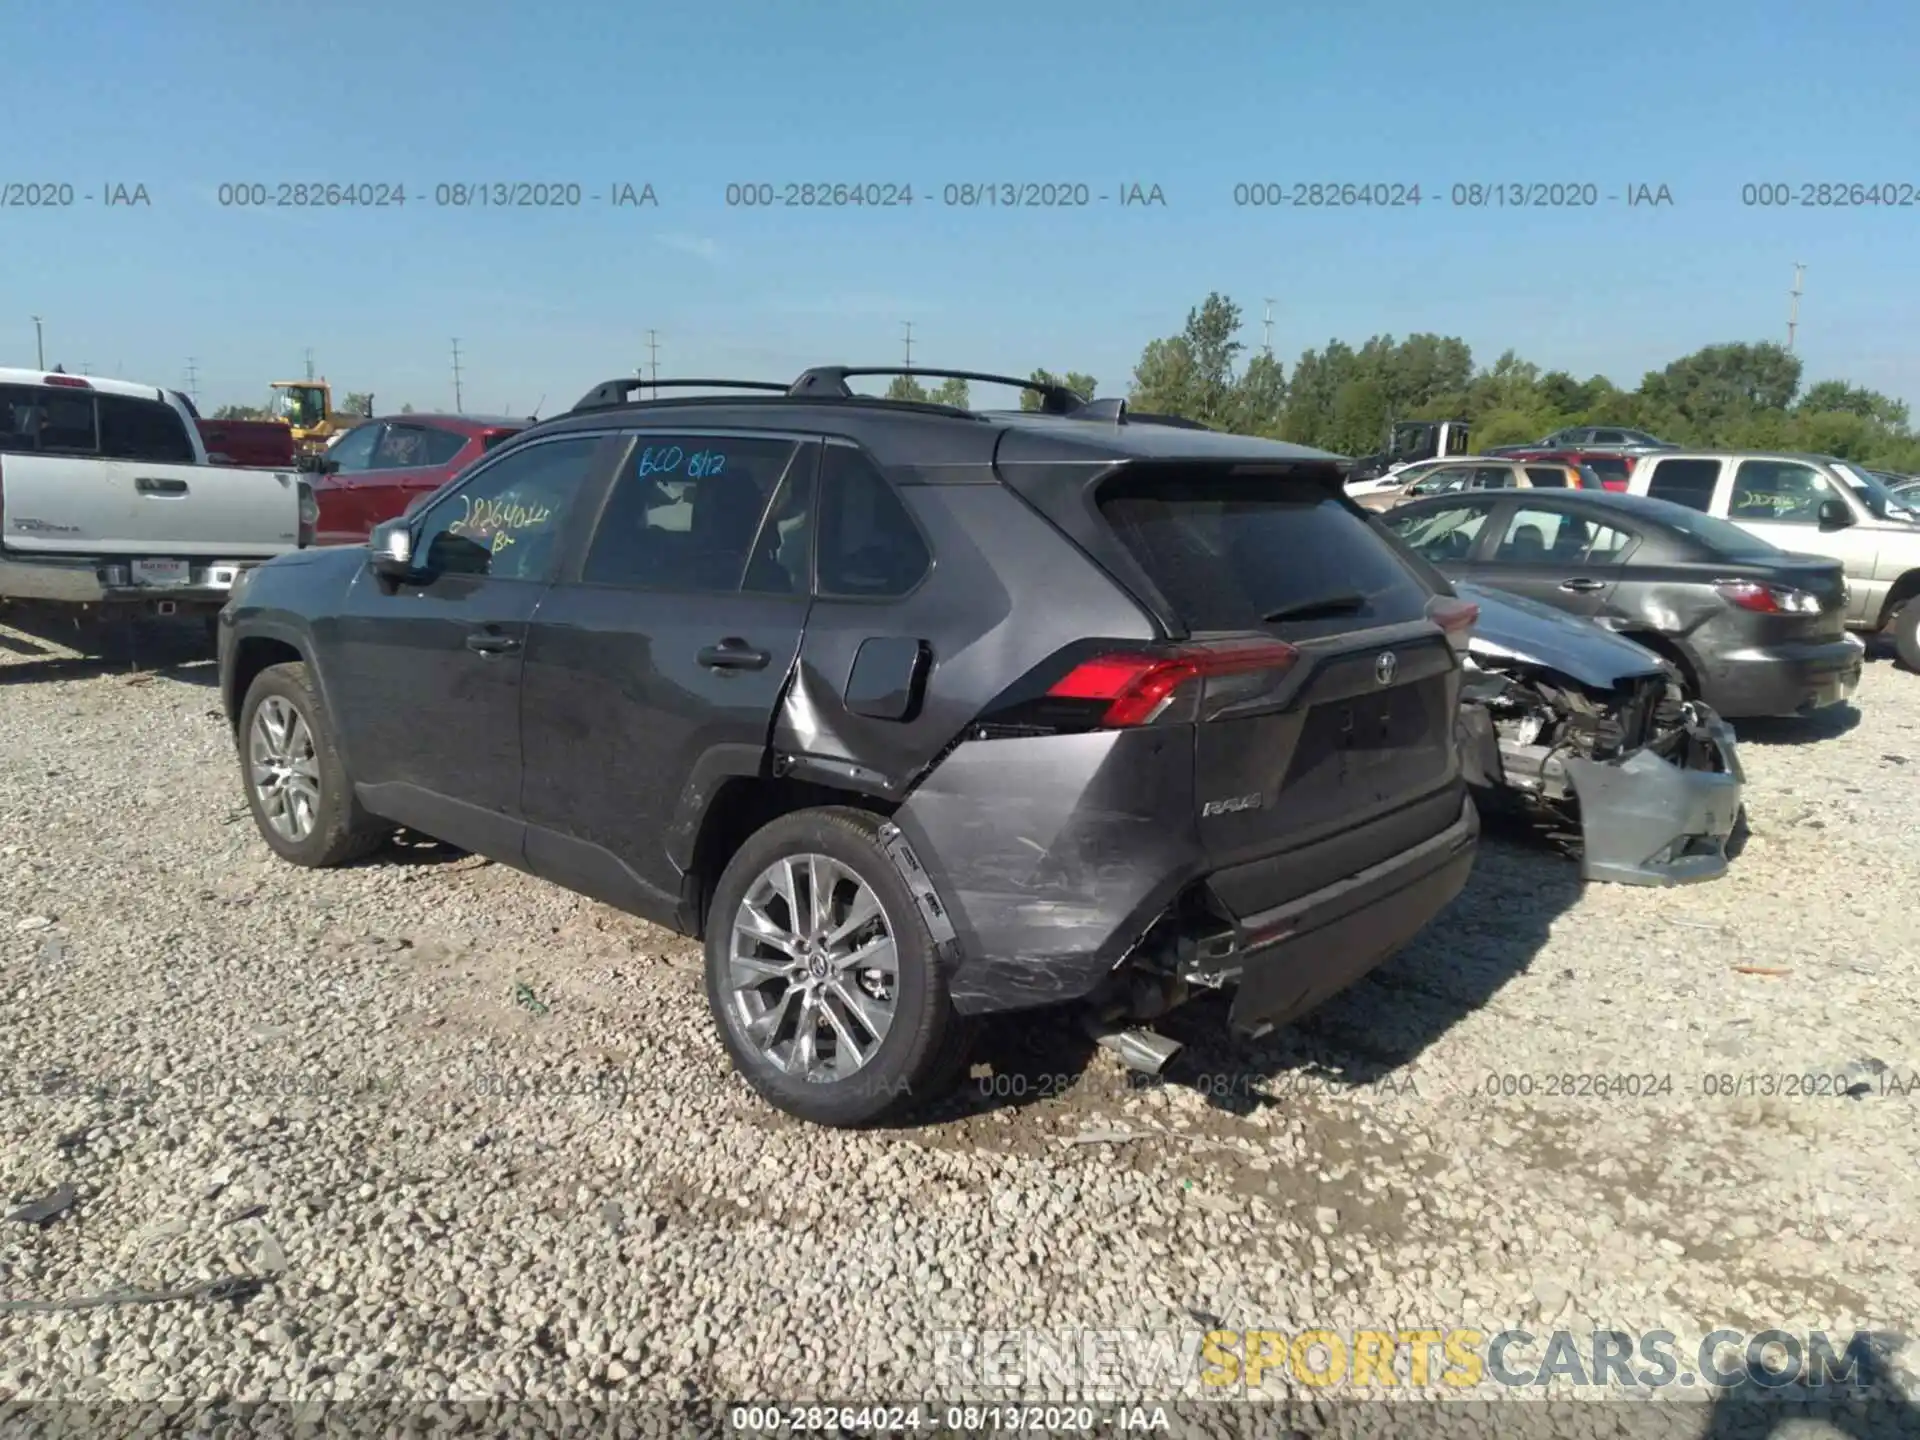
1384,667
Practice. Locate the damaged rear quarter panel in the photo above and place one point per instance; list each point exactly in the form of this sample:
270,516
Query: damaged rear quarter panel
1053,855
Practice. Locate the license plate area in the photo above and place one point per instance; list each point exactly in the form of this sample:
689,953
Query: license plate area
160,572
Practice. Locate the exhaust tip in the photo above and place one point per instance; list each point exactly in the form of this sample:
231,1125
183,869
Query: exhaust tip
1141,1050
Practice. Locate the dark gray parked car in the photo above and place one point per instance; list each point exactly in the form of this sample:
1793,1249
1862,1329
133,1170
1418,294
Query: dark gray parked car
914,713
1751,629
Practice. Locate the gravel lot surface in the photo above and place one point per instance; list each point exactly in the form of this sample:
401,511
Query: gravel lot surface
473,1136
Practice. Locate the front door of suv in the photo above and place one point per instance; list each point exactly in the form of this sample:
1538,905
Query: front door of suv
424,675
655,664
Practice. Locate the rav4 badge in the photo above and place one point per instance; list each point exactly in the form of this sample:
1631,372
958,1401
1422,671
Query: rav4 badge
1229,807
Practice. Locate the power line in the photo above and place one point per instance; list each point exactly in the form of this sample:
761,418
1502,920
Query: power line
909,325
456,377
1793,312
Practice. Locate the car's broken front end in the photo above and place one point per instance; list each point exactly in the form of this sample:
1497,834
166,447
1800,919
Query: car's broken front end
1585,728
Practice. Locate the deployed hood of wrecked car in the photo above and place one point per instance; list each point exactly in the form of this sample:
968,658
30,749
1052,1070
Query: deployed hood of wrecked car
1512,627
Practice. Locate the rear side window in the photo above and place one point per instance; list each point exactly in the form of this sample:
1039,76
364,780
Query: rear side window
133,429
47,418
1229,551
496,440
1685,482
1726,540
869,545
1611,467
1548,477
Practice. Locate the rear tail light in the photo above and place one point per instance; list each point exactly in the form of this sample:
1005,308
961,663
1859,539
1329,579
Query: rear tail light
1768,599
309,515
1455,616
1129,689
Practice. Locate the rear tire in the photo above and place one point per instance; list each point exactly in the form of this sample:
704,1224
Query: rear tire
849,1032
1906,633
296,783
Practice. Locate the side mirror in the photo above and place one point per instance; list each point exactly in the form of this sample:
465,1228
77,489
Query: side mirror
1835,515
390,549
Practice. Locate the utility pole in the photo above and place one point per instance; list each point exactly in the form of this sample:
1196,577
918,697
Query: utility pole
653,360
1266,331
1793,313
909,325
456,377
193,380
39,342
309,362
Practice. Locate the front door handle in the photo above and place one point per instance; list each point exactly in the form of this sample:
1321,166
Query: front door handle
149,485
734,653
490,642
1581,585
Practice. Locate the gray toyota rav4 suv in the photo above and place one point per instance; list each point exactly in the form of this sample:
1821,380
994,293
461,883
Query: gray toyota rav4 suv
913,713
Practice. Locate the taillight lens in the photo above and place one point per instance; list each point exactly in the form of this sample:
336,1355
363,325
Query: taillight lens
309,515
1455,616
1768,599
1137,688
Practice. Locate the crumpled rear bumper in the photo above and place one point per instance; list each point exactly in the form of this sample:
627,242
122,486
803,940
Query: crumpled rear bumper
1646,820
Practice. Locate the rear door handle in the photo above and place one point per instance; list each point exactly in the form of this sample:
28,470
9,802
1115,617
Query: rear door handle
734,653
148,485
1582,585
490,642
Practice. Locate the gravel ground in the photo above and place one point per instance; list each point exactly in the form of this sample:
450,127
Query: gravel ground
459,1134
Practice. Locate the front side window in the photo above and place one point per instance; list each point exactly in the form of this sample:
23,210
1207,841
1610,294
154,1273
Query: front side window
505,523
1780,490
687,514
1444,535
353,452
410,447
133,429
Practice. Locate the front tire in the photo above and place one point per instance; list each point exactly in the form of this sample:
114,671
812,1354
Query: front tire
1906,634
296,783
822,977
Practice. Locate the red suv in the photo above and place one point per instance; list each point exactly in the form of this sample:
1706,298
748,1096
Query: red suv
376,470
1614,467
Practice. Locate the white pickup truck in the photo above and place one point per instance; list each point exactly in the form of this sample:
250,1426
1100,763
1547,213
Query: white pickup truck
107,502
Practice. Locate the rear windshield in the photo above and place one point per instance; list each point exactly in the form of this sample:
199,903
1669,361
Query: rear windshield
1608,467
1722,537
1229,551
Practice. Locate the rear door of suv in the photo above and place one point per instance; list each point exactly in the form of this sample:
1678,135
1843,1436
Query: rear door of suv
655,664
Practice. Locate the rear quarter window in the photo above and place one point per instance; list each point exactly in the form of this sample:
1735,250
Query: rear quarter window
132,429
1226,551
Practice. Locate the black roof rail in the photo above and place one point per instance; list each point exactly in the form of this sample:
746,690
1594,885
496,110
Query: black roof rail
615,392
1179,422
830,382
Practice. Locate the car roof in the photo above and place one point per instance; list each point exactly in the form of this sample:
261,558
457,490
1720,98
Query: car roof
1804,457
922,441
1643,507
15,376
468,424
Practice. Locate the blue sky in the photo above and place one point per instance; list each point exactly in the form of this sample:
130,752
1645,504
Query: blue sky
1700,97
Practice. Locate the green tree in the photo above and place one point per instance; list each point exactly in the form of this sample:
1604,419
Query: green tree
358,402
907,387
1723,384
240,412
1838,395
406,409
1260,398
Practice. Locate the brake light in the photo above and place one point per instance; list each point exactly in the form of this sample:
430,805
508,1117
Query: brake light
1768,599
69,382
1138,687
1455,616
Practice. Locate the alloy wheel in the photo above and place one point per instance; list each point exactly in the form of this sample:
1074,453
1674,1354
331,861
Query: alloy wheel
812,968
283,768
